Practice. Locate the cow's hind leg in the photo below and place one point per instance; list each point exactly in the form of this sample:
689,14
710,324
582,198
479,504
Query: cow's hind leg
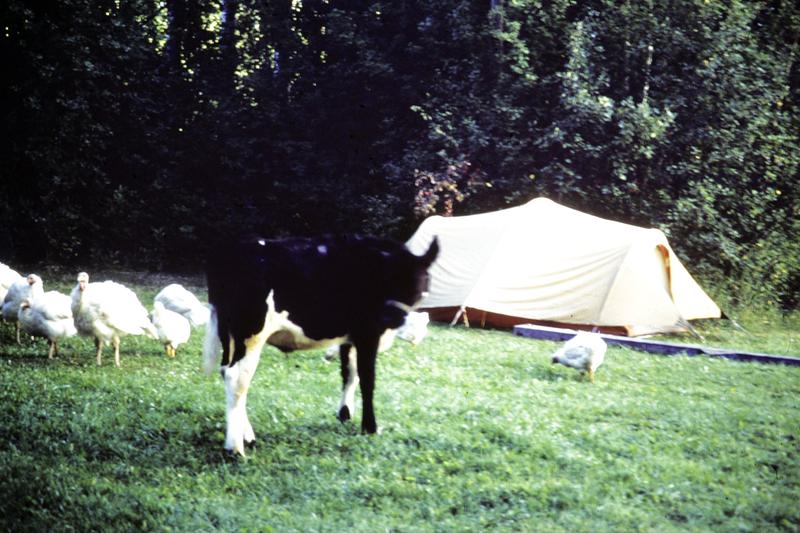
366,354
347,359
237,381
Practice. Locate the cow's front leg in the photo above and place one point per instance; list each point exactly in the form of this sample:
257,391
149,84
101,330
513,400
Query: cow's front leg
366,354
237,381
347,360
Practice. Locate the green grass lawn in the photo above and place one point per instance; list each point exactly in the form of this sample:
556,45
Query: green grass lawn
480,431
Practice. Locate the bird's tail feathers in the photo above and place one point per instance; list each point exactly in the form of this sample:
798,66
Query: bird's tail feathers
150,330
199,315
212,347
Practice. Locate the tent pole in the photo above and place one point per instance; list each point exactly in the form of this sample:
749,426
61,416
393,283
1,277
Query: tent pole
460,312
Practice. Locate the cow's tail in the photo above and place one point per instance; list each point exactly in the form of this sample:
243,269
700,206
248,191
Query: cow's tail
212,347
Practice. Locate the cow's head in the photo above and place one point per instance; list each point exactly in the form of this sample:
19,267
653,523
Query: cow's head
409,282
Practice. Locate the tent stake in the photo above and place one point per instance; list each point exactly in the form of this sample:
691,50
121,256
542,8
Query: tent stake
691,329
737,325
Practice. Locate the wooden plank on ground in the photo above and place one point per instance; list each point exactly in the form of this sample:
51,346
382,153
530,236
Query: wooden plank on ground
653,346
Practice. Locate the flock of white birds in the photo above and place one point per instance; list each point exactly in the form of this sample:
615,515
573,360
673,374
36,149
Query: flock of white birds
107,311
104,311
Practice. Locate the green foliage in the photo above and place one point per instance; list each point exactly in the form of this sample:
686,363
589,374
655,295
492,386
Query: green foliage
738,165
480,430
442,191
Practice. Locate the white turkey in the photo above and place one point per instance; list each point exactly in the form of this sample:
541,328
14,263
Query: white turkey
176,298
107,311
8,276
173,328
48,315
585,351
29,287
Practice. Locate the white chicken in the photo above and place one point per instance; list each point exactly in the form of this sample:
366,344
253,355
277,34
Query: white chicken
48,315
384,343
415,328
173,328
29,287
8,276
585,351
176,298
107,311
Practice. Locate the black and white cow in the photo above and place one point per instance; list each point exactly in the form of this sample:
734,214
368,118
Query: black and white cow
306,293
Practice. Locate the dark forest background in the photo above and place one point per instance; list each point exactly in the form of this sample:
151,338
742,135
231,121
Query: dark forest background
135,132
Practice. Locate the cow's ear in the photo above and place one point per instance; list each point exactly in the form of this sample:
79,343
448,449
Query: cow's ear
429,257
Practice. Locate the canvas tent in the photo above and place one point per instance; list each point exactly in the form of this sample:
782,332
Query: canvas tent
545,262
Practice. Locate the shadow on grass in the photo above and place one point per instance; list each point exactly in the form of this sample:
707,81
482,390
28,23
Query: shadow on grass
75,351
307,437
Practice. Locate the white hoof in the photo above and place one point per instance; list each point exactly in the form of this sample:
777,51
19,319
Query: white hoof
249,435
235,445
